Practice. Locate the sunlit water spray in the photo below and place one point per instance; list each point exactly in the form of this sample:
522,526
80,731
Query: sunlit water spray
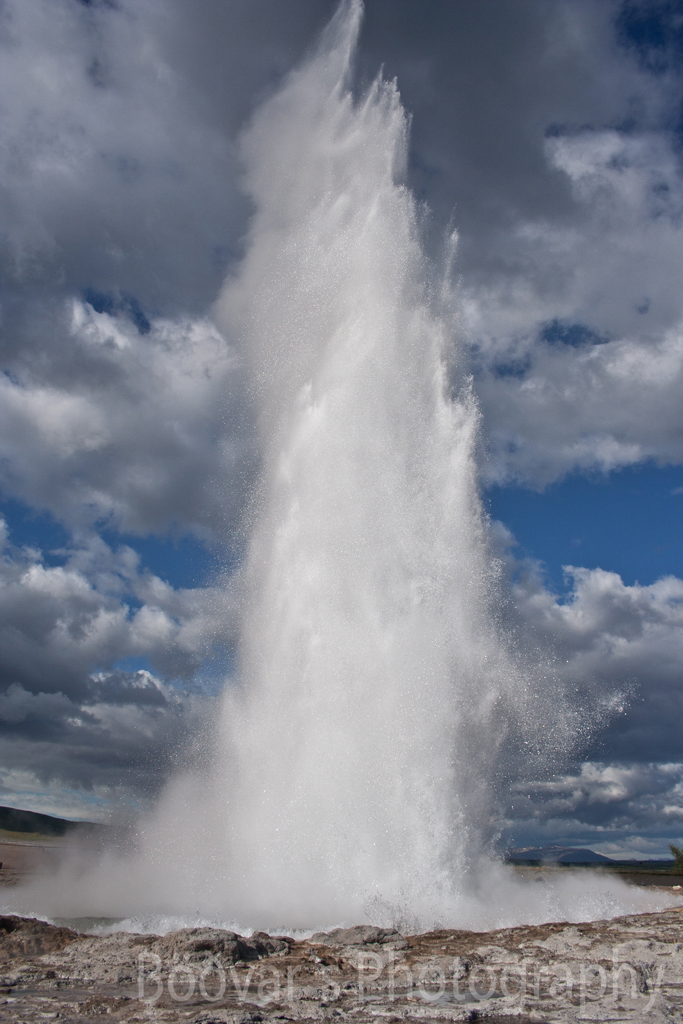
379,706
359,748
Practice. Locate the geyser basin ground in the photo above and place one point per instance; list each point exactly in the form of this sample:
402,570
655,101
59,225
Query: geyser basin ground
628,969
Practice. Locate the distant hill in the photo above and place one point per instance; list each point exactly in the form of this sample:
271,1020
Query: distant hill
557,855
13,820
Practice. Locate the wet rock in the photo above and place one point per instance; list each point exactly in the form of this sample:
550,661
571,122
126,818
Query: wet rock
194,944
200,943
269,945
20,936
359,935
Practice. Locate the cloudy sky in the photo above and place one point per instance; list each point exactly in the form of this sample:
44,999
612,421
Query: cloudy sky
550,133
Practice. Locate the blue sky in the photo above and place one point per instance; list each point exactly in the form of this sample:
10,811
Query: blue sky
628,522
550,135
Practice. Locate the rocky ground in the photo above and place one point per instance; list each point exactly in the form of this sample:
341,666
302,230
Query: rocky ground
627,969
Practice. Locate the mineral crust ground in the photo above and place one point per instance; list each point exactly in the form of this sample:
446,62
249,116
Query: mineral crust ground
625,969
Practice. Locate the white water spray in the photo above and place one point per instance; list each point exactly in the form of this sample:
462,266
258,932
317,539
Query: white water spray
361,749
358,751
359,757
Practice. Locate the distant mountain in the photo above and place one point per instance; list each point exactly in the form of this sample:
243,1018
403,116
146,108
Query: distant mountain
557,855
13,820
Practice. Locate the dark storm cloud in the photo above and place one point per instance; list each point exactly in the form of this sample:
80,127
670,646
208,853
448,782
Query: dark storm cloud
118,140
484,83
548,134
622,809
104,159
118,742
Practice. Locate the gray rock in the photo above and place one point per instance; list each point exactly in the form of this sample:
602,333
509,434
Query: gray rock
359,935
268,945
194,944
27,937
199,943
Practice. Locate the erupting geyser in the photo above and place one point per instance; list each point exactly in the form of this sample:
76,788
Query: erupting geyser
378,705
358,751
